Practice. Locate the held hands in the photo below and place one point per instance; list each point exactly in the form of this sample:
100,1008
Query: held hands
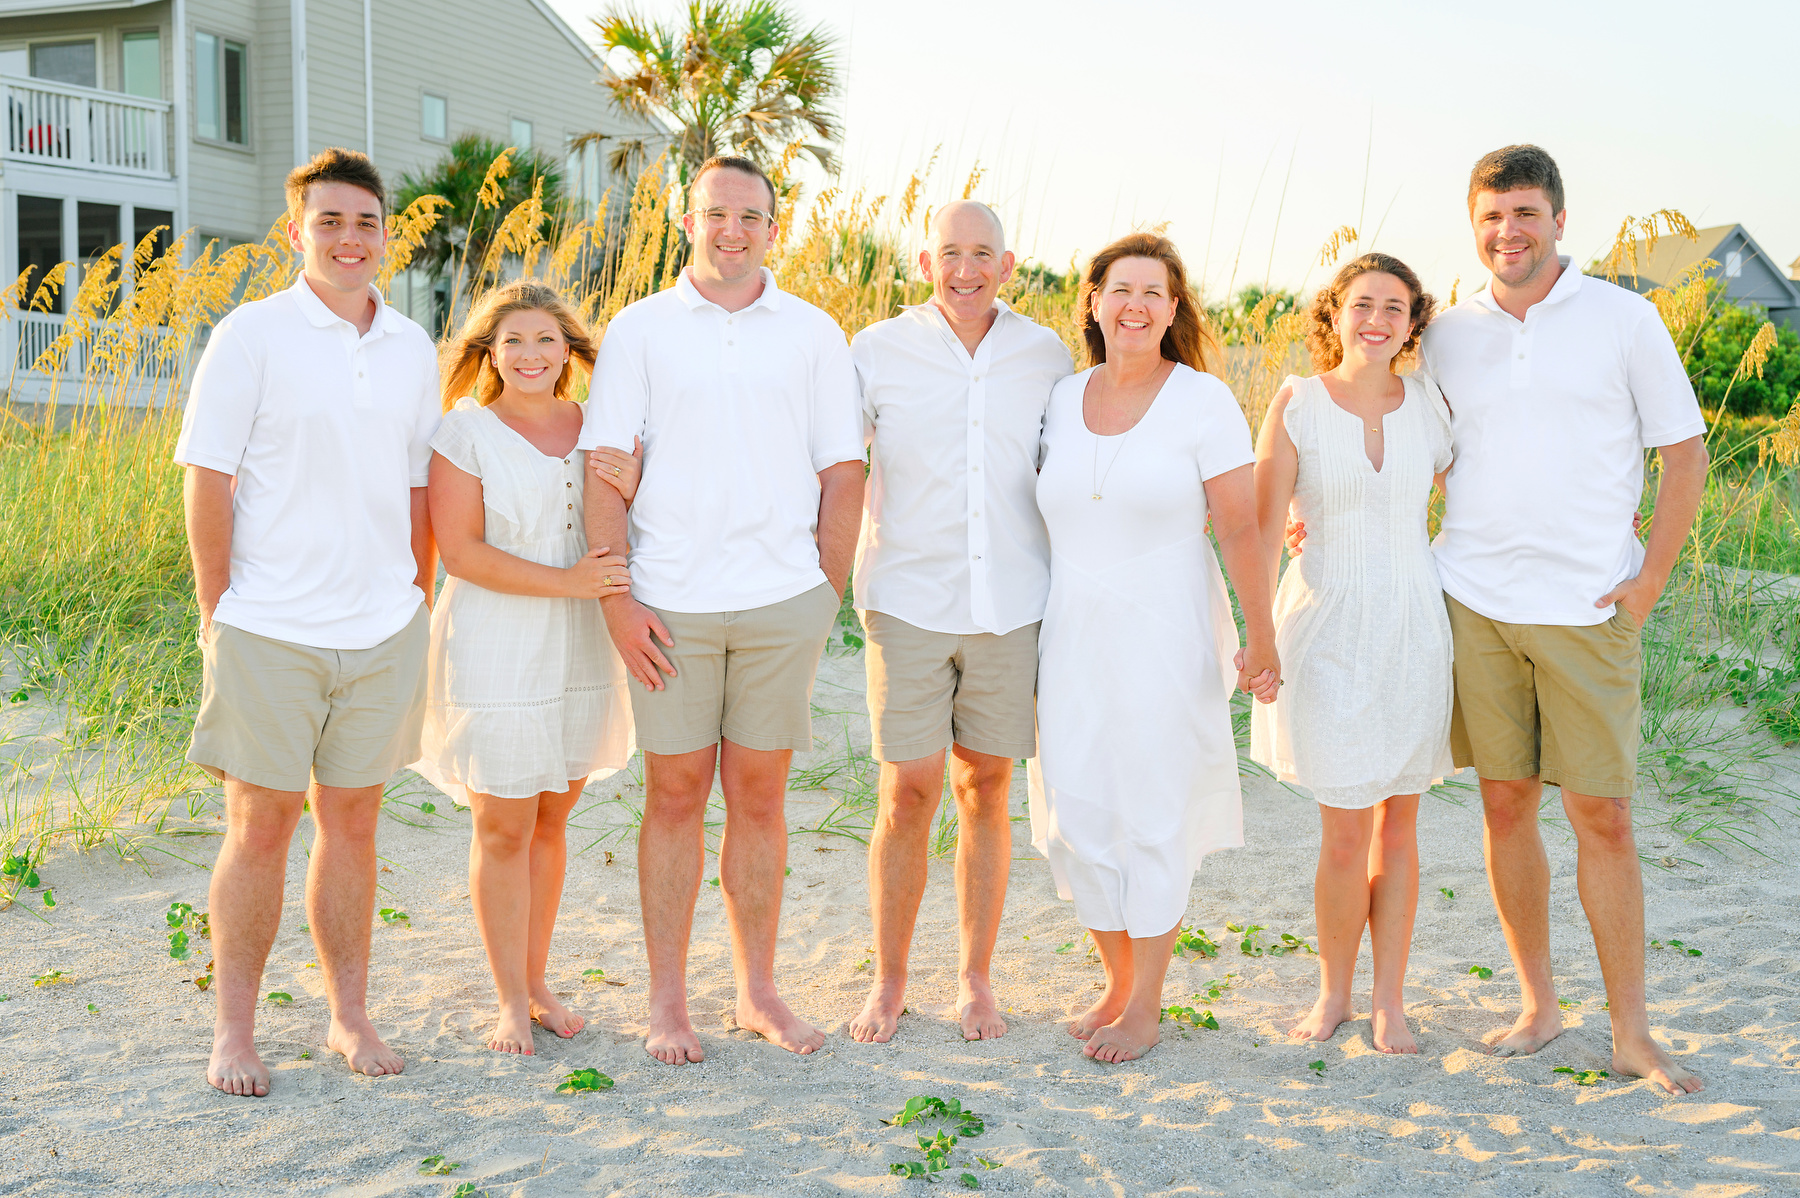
598,574
635,630
618,469
1296,533
1262,677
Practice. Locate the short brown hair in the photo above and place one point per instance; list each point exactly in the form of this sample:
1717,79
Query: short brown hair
735,162
1321,332
1187,340
467,363
336,165
1511,168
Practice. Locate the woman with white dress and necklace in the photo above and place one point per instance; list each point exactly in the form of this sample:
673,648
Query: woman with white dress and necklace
1136,778
526,699
1363,721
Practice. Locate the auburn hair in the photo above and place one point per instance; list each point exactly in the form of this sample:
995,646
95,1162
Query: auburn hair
1321,333
1187,340
468,366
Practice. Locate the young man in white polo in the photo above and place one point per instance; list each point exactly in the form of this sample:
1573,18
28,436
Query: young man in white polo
741,535
306,441
1558,383
952,572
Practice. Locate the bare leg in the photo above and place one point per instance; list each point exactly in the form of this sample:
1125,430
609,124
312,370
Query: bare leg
908,793
1612,893
671,855
244,906
752,862
982,784
340,903
1138,1027
549,860
1393,904
500,881
1341,909
1116,958
1519,875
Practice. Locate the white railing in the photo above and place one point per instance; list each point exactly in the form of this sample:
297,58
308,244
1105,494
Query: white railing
34,332
66,125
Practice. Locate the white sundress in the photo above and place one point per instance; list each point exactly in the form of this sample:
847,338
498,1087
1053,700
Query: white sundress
526,693
1360,626
1136,777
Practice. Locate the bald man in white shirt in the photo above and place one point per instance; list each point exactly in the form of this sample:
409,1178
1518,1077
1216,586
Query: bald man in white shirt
951,576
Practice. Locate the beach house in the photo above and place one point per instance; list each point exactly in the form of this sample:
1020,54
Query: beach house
1748,274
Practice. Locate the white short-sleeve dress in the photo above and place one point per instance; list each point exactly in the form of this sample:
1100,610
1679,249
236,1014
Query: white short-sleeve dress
526,694
1360,625
1136,777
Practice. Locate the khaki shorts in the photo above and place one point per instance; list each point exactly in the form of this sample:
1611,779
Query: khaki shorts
279,715
929,689
1551,700
741,676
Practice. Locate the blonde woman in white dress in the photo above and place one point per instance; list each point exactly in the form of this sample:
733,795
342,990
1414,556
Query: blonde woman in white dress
1363,720
526,699
1136,778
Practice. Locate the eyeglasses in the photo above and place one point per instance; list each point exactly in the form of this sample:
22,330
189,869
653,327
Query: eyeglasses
752,219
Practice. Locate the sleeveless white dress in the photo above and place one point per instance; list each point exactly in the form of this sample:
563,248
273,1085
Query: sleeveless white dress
1136,777
525,693
1360,625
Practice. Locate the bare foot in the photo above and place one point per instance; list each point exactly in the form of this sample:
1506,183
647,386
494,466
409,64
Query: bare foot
979,1017
513,1033
362,1048
1390,1033
554,1016
880,1015
1646,1058
235,1068
1530,1033
672,1040
770,1018
1109,1008
1127,1038
1323,1020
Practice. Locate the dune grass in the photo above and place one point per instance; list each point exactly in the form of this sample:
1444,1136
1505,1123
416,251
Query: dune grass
96,601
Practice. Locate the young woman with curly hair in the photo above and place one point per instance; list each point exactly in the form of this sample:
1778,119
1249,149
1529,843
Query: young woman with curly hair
1363,718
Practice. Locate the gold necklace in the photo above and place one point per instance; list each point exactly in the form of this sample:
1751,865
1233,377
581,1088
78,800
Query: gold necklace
1100,486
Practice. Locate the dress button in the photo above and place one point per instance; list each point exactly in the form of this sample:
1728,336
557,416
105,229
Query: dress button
568,526
571,507
568,484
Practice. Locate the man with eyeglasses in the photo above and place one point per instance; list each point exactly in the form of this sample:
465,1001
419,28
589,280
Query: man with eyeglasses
740,535
951,577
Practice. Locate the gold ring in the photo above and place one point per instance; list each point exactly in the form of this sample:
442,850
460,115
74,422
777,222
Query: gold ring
607,581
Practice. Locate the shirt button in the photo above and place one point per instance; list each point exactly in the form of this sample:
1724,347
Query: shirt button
974,469
977,557
976,423
1521,357
731,343
975,513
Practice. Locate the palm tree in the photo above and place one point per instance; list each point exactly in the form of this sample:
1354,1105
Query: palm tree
740,78
467,226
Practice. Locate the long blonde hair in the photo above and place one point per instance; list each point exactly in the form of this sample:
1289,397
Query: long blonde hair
468,367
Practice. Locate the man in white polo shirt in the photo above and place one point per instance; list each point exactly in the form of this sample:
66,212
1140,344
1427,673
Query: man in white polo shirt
741,535
1557,384
951,577
306,441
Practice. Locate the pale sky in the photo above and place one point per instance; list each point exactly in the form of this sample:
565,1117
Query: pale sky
1094,117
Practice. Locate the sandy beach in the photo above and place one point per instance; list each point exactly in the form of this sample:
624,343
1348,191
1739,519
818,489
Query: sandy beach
104,1089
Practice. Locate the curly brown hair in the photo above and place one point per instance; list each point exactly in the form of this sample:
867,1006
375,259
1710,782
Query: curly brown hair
467,358
1187,340
1322,335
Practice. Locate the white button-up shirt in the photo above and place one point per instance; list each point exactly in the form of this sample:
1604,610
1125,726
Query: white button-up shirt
951,538
326,430
739,411
1551,416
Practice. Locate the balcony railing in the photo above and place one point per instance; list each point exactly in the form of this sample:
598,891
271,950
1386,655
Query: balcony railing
34,332
65,125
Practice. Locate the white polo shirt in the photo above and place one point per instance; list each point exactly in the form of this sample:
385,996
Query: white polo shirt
1550,417
952,540
326,433
739,411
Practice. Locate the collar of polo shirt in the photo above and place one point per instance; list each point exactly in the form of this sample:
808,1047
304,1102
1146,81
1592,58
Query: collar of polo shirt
314,309
1001,310
1567,284
690,294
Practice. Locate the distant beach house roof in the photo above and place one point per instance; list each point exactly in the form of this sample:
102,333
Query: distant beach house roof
1750,276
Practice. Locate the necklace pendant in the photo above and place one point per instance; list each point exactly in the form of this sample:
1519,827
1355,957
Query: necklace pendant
1095,495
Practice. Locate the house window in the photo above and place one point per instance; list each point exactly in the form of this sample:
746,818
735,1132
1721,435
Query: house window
434,117
141,58
1734,263
221,99
40,244
66,62
521,134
